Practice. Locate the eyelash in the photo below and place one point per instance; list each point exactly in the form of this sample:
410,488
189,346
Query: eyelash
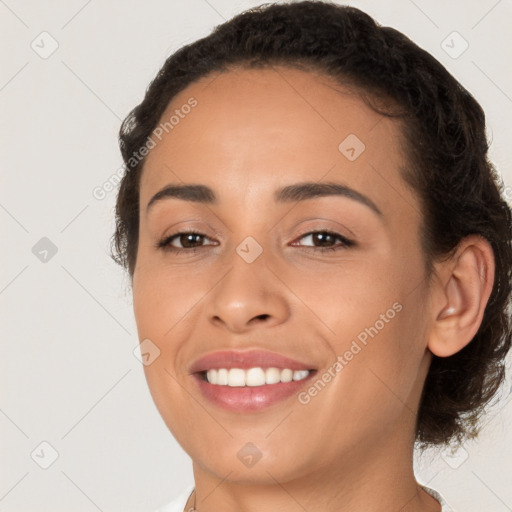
164,244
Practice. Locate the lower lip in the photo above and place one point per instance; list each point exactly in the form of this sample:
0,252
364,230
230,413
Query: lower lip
250,398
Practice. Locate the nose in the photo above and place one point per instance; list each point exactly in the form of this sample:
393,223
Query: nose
248,295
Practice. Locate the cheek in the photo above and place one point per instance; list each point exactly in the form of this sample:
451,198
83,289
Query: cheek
376,330
160,294
160,309
373,390
166,306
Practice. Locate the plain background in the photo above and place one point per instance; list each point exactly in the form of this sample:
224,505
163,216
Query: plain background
68,373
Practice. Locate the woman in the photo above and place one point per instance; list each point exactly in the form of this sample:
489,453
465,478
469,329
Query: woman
320,260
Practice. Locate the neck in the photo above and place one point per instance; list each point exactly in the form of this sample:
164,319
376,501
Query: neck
372,478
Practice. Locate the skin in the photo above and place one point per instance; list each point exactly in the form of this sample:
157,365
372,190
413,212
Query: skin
351,447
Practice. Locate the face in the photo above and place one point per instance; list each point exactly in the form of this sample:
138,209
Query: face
332,278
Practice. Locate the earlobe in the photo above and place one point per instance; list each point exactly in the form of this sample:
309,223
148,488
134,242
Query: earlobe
464,291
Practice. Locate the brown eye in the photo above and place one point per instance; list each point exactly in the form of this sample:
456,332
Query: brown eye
188,240
325,239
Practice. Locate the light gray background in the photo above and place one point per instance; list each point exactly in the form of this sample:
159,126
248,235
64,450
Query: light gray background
68,374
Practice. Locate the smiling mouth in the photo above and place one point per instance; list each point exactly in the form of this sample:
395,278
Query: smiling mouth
248,390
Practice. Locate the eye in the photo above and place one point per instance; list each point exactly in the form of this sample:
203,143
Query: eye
189,239
325,238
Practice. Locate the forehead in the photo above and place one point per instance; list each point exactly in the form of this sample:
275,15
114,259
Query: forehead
255,129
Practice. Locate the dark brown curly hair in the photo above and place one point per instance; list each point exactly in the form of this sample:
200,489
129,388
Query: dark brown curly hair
443,137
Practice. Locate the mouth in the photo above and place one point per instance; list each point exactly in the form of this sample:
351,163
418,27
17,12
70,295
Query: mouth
249,380
245,391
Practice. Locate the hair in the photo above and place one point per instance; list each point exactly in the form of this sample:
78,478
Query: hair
443,137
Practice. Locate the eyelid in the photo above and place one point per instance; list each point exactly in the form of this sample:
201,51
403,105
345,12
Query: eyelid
315,221
197,226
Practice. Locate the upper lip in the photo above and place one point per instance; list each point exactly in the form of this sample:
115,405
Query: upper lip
246,359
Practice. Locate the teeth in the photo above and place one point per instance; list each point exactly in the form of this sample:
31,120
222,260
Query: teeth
238,377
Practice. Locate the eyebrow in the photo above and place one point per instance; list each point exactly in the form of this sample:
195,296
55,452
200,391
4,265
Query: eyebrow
290,193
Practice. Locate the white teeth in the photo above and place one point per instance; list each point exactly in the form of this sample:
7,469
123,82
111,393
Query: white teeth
253,377
222,376
286,375
272,375
238,377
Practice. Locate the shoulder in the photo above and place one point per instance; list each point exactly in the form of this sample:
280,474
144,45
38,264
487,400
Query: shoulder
177,504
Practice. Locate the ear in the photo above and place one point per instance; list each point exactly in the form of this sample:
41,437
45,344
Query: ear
460,295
